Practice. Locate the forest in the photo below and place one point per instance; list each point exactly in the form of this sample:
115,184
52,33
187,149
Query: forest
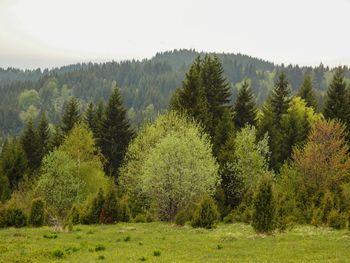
211,153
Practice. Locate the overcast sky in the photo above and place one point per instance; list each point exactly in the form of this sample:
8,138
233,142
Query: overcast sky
47,33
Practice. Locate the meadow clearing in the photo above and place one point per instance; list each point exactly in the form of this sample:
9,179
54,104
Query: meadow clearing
164,242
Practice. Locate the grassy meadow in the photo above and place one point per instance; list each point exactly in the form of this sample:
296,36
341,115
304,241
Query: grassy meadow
162,242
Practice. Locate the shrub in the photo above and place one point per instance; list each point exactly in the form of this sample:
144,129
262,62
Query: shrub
58,253
100,248
264,208
337,219
140,218
206,214
93,210
181,218
74,216
15,217
316,219
36,216
124,214
109,213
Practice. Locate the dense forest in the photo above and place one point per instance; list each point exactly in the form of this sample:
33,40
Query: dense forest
146,85
187,137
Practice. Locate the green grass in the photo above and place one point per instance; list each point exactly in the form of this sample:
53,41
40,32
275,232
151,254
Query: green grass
161,242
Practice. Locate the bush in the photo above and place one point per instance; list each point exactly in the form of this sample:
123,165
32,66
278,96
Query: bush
15,217
206,214
109,213
140,218
124,214
36,216
74,216
316,219
58,253
337,219
181,218
264,208
94,209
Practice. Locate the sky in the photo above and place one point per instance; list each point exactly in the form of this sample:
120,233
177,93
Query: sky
50,33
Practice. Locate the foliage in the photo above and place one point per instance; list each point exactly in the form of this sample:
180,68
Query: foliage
206,215
264,208
70,116
306,92
337,219
37,214
116,134
179,169
245,107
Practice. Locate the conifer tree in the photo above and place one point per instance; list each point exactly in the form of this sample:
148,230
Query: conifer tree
216,88
29,141
224,129
191,97
245,107
306,92
337,103
56,139
89,116
43,132
70,115
280,98
264,208
116,132
110,207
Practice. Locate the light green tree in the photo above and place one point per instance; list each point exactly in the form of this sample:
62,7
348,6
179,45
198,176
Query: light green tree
173,150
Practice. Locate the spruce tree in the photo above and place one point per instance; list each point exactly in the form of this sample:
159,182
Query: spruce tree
245,107
337,103
43,132
264,208
217,89
116,134
70,115
56,139
89,117
306,92
29,141
280,98
191,96
224,129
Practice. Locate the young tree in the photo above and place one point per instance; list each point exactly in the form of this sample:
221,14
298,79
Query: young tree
115,134
224,129
324,161
89,117
216,88
43,132
245,107
279,99
70,115
264,208
306,92
192,98
337,103
29,141
164,161
206,215
13,163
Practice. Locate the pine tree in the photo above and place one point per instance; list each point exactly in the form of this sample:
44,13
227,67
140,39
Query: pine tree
191,96
245,107
110,207
89,117
70,115
29,141
56,139
280,98
43,132
264,208
224,129
116,132
216,88
306,92
13,162
337,103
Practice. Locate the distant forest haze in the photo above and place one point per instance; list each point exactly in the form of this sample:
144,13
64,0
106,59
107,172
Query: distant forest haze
146,85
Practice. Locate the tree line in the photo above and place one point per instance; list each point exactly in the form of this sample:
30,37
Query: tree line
206,159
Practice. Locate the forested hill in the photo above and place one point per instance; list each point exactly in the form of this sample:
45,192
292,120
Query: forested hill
146,85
